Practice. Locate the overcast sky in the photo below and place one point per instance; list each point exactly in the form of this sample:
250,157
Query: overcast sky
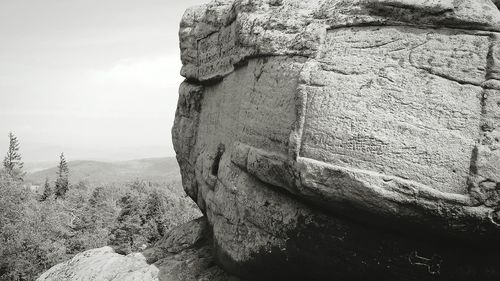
96,79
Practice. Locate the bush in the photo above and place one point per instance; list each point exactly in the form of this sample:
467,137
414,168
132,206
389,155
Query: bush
147,213
35,235
30,233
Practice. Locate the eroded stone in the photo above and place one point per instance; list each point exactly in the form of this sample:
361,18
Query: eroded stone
360,137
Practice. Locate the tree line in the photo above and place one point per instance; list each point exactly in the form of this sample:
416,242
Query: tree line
13,167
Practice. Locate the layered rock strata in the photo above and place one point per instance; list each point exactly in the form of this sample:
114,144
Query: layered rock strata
341,140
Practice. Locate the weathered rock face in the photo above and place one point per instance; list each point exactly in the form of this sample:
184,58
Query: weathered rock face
344,139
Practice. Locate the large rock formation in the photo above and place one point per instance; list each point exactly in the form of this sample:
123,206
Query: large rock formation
344,139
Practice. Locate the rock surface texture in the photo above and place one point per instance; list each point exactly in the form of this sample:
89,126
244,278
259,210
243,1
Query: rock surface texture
184,254
344,139
102,264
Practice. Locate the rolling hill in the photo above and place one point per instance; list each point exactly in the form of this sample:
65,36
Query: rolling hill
97,172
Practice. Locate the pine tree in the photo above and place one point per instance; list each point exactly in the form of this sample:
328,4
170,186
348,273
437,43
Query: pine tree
97,197
47,190
12,162
62,182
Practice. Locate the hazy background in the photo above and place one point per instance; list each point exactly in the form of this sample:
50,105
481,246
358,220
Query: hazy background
96,79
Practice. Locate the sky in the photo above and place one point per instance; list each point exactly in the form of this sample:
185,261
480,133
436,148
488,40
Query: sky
96,79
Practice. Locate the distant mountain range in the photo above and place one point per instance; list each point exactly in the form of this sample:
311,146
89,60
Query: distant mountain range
98,172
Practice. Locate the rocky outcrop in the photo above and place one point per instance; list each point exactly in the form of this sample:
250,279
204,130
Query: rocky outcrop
184,254
344,140
102,264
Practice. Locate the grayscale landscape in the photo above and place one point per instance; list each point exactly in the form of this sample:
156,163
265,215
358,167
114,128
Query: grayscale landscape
250,140
99,172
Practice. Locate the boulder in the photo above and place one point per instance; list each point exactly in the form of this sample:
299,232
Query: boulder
102,264
344,140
